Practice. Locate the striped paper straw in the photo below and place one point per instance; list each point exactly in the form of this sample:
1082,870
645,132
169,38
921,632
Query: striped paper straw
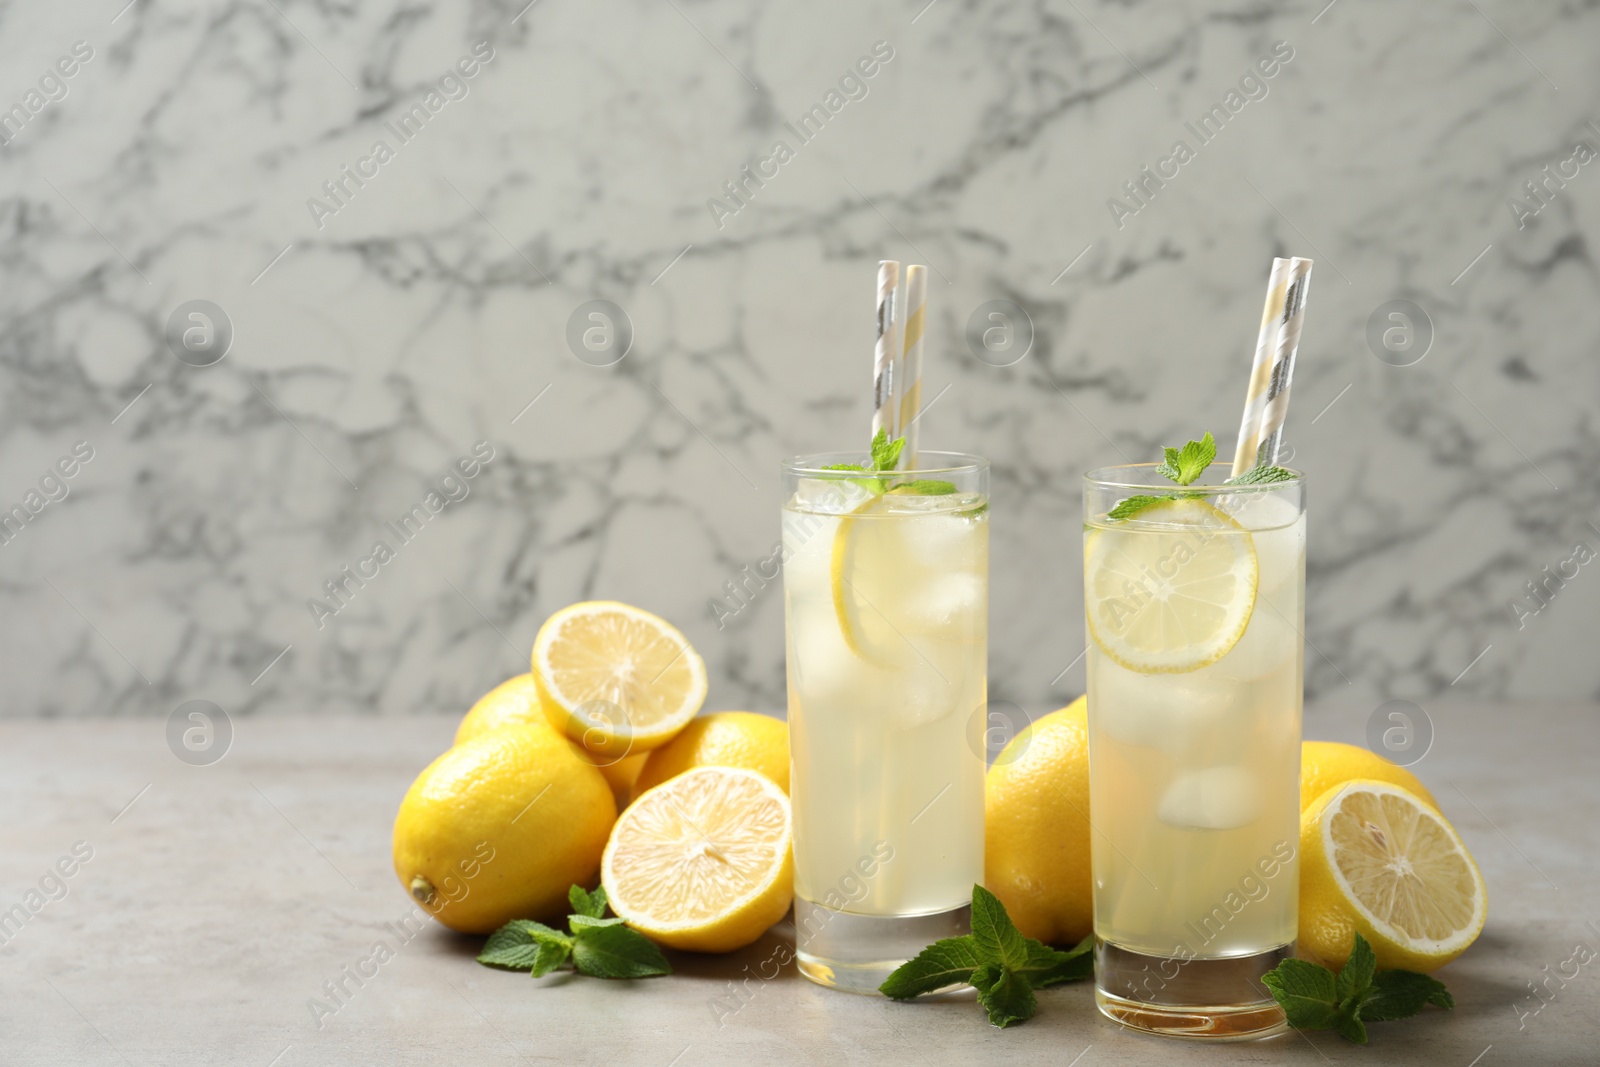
884,413
1266,404
1255,399
908,379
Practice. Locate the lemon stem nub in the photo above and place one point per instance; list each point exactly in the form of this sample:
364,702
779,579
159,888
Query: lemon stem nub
422,890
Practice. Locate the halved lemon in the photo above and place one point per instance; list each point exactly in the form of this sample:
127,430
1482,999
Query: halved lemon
1171,590
1378,860
1325,764
615,678
704,861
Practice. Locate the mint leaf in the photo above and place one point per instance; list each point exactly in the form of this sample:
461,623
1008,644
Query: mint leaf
522,945
1259,475
615,951
1168,467
1006,996
1307,992
1347,1022
943,963
1401,994
1127,509
927,487
1047,966
886,453
581,922
1356,977
871,485
1194,458
585,903
998,941
548,956
878,447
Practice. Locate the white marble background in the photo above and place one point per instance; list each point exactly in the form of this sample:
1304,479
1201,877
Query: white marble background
429,312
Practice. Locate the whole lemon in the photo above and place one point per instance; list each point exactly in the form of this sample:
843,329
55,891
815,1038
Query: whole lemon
744,739
1325,764
500,827
514,702
620,774
1036,827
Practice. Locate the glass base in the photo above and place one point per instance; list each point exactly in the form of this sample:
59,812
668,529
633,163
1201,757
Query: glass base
1215,1000
855,953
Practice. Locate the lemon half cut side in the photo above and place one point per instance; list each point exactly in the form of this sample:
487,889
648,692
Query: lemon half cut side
1380,861
704,861
615,678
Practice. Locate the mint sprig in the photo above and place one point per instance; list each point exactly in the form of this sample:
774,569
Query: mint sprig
996,960
597,946
1184,465
1314,998
885,457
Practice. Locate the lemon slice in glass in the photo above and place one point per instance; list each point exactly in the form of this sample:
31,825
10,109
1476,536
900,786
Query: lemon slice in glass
703,862
1378,860
1172,589
615,678
866,548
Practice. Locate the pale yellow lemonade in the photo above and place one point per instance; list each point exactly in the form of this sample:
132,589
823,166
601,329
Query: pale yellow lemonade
887,627
1195,725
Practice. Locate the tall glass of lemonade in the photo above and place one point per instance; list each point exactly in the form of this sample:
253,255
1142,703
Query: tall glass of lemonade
1195,606
886,591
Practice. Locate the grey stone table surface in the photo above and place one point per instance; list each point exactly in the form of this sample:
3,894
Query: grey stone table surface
216,901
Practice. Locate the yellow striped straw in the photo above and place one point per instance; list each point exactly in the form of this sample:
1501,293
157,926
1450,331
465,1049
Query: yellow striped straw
884,413
1266,403
908,379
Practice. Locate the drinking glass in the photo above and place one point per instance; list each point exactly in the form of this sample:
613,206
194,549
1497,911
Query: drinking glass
886,591
1195,607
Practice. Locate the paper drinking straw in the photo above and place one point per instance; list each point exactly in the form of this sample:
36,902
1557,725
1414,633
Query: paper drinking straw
908,379
1266,402
1294,318
1255,397
885,416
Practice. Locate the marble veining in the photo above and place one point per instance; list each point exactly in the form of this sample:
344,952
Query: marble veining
394,311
